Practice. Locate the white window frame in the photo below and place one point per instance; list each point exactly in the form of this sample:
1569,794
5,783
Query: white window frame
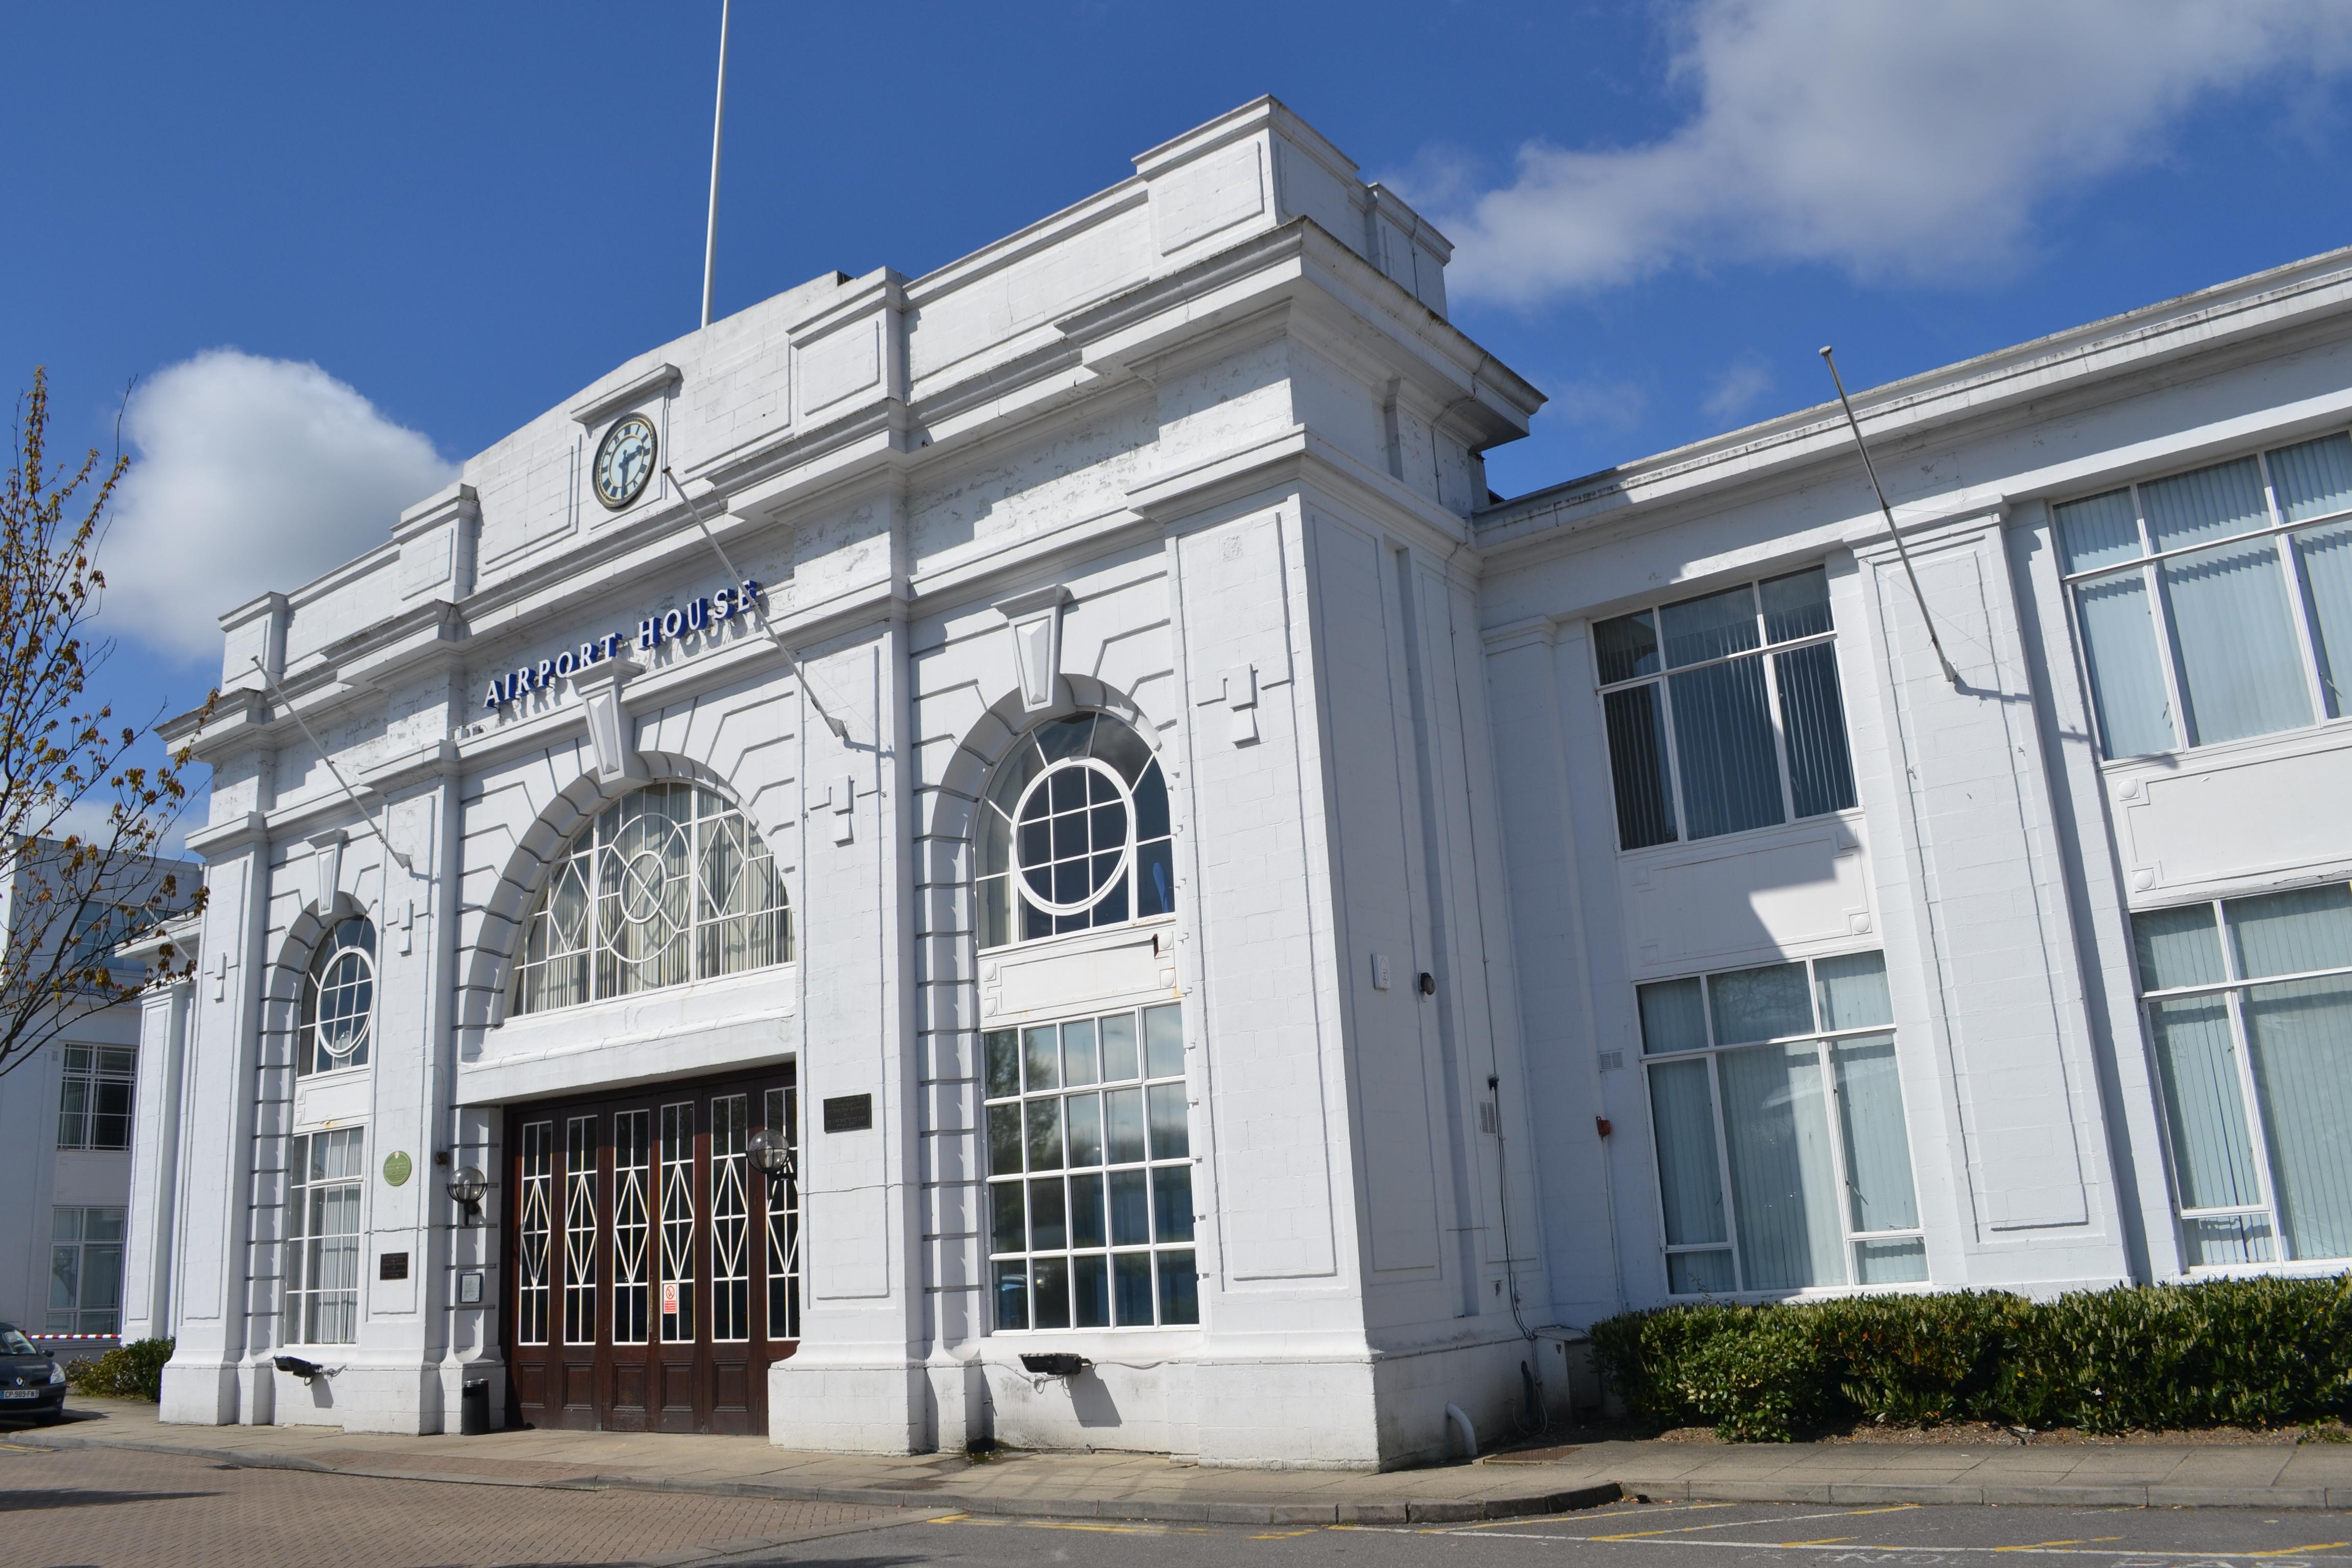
2325,706
93,1067
79,1316
1764,651
1181,1253
2233,988
1823,1041
304,1293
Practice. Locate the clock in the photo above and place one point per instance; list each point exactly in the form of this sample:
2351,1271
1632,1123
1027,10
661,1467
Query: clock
624,461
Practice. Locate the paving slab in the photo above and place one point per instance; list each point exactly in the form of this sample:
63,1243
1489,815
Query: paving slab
1151,1487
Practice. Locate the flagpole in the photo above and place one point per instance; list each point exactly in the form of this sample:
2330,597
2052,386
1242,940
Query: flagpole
717,123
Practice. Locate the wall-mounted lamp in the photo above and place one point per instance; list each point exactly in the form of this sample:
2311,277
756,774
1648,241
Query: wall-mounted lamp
771,1155
467,1186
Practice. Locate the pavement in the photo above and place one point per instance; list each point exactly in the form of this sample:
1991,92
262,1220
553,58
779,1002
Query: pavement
1147,1486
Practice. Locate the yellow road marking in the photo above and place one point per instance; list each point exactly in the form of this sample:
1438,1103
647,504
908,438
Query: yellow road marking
1824,1541
1285,1534
2291,1551
2037,1545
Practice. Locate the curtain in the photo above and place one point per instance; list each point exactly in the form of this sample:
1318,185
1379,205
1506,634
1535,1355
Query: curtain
2176,947
1760,1003
2099,531
1797,605
2313,479
1852,991
2291,933
1783,1186
2327,555
2126,680
1699,629
2197,1060
2301,1036
1812,720
1879,1193
1681,1113
2211,503
1723,740
1674,1017
2241,668
1637,767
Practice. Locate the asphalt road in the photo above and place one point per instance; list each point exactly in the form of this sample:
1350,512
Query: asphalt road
117,1509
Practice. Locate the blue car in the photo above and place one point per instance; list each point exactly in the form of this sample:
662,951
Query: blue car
31,1384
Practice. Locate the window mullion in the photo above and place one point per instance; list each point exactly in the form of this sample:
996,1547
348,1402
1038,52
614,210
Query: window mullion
1673,755
2323,703
1841,1171
2168,653
1780,735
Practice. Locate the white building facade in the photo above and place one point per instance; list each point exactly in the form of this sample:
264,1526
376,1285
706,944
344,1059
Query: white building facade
1070,747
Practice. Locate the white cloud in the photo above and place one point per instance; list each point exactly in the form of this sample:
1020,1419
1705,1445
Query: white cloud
1735,388
248,474
1912,140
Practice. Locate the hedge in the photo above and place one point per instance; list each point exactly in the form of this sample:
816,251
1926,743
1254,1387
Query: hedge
134,1371
2250,1353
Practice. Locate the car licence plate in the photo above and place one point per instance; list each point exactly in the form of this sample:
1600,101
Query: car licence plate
19,1394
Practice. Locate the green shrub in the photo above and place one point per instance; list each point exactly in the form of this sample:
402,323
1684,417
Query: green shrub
134,1371
2256,1353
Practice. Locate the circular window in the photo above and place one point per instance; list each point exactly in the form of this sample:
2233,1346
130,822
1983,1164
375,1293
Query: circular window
338,1000
1074,833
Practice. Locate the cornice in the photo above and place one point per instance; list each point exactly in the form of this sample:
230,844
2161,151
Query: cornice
592,410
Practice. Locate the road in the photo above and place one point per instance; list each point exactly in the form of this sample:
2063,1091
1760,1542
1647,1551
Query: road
117,1509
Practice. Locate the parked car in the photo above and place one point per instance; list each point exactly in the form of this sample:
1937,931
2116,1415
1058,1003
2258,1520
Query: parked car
31,1383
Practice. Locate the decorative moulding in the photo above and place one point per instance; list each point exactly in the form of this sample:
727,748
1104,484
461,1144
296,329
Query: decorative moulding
1036,618
325,867
592,410
609,733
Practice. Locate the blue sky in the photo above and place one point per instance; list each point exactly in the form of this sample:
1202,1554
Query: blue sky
460,215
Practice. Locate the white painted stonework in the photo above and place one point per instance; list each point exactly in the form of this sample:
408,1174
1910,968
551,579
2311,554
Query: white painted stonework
1202,453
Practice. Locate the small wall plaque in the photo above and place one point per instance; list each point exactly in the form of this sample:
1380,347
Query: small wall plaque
391,1266
849,1113
397,1167
469,1287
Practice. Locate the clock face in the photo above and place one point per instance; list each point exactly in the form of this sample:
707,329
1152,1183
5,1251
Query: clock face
624,461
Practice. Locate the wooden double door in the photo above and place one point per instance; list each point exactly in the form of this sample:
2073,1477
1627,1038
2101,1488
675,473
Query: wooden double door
655,1271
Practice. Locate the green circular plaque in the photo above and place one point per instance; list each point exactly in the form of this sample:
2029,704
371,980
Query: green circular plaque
396,1167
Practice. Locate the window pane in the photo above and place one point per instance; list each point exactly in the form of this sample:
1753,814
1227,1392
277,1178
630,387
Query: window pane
2100,531
1171,1204
1179,1300
2231,1238
1853,990
2327,570
1120,1062
1627,647
1080,1063
1090,1284
1719,624
1764,1003
1783,1180
1049,1225
1008,1219
1637,767
2291,933
1003,1063
1163,1042
1123,1125
1131,1288
1879,1196
1004,1140
1042,1055
1045,1127
1797,605
1812,718
1723,741
2176,947
2240,662
2198,1063
1701,1273
1130,1209
1890,1262
2301,1035
1086,1130
1690,1180
2211,503
1049,1279
1674,1017
2126,680
1012,1294
1168,1129
1087,1226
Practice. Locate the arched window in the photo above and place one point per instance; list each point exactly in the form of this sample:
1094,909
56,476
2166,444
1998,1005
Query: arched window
1074,833
337,1000
668,884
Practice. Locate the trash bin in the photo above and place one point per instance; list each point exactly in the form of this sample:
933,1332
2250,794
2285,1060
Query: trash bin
474,1408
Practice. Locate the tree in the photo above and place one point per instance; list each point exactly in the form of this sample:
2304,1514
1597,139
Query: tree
80,821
